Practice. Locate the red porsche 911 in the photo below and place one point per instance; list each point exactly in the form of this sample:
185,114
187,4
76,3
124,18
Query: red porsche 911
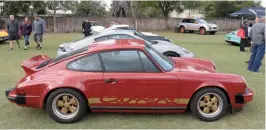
127,76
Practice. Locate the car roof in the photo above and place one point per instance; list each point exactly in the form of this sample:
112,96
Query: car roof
116,31
114,44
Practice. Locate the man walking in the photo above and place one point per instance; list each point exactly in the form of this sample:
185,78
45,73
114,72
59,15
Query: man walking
26,29
39,29
86,27
12,27
257,35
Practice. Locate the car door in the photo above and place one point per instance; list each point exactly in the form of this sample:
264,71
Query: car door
133,81
193,24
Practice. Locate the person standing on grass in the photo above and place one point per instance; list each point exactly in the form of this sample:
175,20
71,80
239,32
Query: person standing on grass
249,28
39,29
12,27
26,29
244,40
86,27
257,35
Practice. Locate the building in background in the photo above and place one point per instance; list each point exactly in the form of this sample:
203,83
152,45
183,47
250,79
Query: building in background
187,13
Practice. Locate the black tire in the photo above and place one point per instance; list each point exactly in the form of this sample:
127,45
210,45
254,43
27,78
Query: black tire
212,33
83,105
201,31
194,104
171,54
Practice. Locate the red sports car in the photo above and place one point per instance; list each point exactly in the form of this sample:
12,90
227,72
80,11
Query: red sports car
127,76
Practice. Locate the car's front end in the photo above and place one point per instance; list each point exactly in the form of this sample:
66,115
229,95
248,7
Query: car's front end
3,35
211,28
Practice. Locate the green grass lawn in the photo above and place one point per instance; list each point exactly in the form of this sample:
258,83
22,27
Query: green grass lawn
228,59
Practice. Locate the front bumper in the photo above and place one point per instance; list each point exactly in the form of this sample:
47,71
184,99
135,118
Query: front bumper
4,38
15,98
244,98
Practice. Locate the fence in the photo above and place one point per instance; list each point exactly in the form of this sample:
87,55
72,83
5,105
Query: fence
73,24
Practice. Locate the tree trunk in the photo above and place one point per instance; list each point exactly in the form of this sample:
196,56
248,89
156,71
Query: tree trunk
54,18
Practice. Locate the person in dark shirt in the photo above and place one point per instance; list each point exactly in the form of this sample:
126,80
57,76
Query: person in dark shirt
12,27
86,27
244,41
26,29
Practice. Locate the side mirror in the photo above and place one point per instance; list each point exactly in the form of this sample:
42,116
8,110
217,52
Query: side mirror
154,42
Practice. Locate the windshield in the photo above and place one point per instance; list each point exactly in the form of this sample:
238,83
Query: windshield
148,41
202,21
164,62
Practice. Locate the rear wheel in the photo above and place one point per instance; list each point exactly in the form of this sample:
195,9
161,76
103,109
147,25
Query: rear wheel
171,54
202,31
66,105
182,29
209,104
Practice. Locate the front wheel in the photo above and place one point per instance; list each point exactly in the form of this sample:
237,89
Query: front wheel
209,104
202,31
66,105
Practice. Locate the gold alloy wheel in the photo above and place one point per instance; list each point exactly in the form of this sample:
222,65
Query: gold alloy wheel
65,106
210,105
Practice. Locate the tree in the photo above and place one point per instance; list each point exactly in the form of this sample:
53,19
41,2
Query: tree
192,5
15,7
59,5
91,8
39,7
217,8
122,8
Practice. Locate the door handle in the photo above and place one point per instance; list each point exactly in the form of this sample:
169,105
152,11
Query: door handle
111,81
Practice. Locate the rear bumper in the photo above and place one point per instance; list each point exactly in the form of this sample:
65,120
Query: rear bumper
15,98
244,98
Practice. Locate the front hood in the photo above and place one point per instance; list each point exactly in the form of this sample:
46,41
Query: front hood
3,33
212,25
194,65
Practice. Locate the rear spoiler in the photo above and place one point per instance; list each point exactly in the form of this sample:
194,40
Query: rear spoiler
30,65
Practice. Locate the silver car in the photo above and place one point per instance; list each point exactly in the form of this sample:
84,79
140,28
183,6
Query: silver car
166,48
200,25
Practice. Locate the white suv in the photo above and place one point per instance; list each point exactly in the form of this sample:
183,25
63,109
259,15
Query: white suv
200,25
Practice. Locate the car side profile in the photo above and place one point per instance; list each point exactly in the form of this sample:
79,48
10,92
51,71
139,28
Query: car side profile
166,48
126,76
148,35
196,24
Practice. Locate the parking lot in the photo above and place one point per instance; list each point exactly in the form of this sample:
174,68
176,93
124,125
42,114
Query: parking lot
228,59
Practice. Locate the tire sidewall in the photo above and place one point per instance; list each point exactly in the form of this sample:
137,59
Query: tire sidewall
180,28
83,105
194,103
202,29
